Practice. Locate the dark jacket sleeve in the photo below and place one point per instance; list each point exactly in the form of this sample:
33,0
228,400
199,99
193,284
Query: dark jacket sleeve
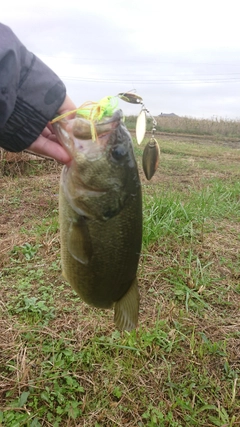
30,93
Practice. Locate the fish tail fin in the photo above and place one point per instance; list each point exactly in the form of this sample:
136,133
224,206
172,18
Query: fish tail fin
126,309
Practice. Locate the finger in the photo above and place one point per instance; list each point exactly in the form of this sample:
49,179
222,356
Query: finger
50,148
46,132
67,105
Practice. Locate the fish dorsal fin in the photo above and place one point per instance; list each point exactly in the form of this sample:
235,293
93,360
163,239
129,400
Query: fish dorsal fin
79,241
126,309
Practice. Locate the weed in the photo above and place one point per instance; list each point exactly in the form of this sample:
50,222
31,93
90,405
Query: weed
26,249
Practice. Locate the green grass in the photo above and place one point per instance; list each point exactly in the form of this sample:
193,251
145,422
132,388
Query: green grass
184,215
62,363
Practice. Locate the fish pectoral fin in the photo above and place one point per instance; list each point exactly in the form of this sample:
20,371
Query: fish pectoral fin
79,241
127,308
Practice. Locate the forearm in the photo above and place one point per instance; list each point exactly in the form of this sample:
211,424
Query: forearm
30,93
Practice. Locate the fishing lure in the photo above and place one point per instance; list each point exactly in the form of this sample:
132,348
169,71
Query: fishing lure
133,98
94,112
150,159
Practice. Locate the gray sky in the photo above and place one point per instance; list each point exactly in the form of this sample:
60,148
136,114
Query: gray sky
181,56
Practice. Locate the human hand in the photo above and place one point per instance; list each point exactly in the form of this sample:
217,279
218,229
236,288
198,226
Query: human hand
47,143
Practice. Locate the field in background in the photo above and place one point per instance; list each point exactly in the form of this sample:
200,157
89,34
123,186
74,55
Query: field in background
63,363
216,127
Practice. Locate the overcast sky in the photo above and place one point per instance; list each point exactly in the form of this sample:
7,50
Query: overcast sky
181,56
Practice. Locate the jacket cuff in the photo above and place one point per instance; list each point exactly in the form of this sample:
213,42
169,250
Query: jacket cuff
39,97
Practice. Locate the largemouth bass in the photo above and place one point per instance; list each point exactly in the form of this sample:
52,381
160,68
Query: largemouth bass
100,214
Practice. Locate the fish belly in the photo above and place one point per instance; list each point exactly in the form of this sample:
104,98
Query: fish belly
100,257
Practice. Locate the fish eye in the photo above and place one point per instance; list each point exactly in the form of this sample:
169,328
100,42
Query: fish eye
118,152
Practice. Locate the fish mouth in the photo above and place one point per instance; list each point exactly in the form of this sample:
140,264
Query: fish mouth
87,129
79,134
